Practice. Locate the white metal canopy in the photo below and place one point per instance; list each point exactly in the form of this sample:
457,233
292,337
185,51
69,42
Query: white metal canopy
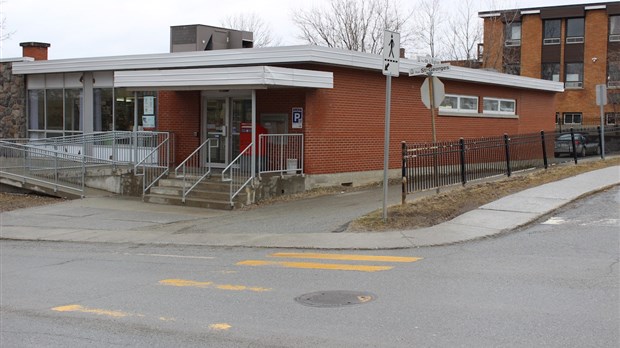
248,77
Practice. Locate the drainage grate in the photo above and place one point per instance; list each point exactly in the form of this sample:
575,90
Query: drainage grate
338,298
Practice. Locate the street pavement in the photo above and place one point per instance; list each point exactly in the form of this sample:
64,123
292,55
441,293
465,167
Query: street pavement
313,223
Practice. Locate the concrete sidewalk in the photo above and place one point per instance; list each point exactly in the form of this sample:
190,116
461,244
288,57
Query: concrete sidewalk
314,223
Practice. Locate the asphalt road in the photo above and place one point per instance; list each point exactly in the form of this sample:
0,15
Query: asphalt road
554,284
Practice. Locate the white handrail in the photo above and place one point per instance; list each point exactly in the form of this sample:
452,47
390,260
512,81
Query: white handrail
192,167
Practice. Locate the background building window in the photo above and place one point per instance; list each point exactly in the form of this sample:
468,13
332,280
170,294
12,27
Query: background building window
612,118
513,34
552,31
574,30
574,75
499,106
512,69
572,118
460,103
551,71
613,74
614,28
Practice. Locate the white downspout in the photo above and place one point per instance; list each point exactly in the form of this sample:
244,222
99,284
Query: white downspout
253,134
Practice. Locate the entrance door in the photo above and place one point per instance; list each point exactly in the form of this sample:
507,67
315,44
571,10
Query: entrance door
222,117
215,115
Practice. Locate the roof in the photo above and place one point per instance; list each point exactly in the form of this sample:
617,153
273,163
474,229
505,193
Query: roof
536,10
271,56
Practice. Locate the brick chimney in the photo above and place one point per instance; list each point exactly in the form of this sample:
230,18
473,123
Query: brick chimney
36,50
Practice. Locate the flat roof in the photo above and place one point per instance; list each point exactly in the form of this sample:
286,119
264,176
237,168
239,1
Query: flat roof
281,55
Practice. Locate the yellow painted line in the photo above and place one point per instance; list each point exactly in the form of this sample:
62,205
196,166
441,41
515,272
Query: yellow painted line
312,265
346,257
109,313
220,327
195,284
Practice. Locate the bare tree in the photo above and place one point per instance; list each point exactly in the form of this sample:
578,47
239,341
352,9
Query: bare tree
465,32
4,34
356,25
263,36
428,24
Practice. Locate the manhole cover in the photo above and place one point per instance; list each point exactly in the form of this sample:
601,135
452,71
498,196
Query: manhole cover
337,298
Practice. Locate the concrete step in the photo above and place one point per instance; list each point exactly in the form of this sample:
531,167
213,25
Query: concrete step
190,202
197,192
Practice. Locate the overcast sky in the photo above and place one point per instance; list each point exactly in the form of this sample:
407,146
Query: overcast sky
90,28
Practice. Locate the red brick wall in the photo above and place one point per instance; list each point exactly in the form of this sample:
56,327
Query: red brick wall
179,112
344,126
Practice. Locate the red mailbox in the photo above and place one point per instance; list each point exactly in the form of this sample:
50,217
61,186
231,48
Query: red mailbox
245,137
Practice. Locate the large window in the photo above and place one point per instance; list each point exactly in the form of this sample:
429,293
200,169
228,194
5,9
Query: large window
54,110
499,106
513,34
460,103
574,75
614,28
103,109
36,109
128,103
73,110
613,74
550,71
572,118
552,31
574,30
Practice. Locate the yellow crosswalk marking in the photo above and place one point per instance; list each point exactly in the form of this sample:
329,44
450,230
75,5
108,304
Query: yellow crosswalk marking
346,257
312,265
196,284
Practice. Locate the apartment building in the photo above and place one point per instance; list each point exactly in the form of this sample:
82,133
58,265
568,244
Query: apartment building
578,45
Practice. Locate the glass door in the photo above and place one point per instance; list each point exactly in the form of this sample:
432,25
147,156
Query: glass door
241,113
215,126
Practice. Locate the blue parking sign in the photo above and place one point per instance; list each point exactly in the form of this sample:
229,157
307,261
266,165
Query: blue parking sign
297,117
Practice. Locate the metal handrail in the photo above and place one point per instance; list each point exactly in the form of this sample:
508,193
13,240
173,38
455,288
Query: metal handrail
191,167
239,173
58,169
281,153
154,165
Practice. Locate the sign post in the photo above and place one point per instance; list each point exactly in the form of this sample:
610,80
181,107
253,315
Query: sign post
431,98
601,100
390,67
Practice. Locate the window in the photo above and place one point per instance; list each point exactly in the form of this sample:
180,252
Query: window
512,69
499,106
572,118
513,34
73,110
574,75
574,30
460,103
614,28
552,31
102,109
54,109
36,109
612,118
551,71
613,74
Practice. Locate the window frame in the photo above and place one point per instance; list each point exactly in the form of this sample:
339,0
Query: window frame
509,32
571,38
614,28
547,38
543,69
572,115
499,101
573,83
459,108
612,115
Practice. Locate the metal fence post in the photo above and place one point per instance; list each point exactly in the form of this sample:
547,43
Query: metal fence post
507,147
404,173
462,155
544,148
572,141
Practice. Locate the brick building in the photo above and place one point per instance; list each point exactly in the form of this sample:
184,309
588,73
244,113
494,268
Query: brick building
578,45
198,95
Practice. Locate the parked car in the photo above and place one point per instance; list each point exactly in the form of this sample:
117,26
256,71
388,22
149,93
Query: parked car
582,143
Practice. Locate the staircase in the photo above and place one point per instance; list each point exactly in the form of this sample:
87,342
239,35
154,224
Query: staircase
211,193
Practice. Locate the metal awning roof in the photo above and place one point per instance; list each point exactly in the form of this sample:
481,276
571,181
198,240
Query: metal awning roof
246,77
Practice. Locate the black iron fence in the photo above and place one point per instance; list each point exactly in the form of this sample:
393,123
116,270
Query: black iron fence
433,165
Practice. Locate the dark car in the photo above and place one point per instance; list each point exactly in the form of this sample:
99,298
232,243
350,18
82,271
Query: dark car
583,145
